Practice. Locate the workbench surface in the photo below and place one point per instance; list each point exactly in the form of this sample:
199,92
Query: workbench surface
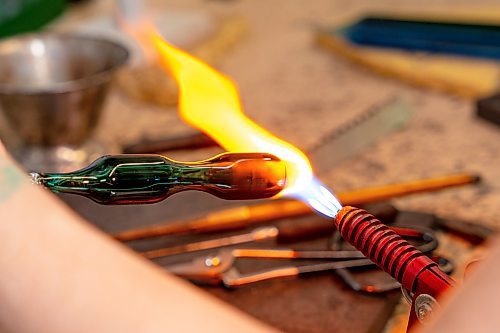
301,92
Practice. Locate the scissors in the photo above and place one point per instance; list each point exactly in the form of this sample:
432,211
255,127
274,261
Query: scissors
219,268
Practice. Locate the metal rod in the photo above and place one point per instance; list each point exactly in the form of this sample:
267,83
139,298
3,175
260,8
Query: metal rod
256,235
244,216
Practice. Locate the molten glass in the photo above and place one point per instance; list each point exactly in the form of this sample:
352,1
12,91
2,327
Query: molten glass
139,179
210,102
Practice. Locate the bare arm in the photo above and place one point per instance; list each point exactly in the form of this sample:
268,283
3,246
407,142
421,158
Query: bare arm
59,274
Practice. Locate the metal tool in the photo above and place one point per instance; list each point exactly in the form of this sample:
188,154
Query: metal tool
468,231
259,234
333,149
346,141
293,231
171,143
219,268
245,216
488,108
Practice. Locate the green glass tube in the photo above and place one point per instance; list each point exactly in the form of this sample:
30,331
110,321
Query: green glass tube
141,179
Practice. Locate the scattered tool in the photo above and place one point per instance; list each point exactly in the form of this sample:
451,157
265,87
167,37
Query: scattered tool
466,77
283,232
172,143
488,108
473,233
460,38
219,268
244,216
346,141
382,287
259,234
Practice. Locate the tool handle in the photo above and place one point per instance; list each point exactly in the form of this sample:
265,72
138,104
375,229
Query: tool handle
390,251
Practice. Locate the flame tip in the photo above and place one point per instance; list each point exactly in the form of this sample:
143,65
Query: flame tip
206,97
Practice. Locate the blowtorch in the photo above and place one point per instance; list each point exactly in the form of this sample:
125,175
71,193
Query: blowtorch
416,272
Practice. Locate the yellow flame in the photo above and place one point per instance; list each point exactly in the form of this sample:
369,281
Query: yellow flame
210,102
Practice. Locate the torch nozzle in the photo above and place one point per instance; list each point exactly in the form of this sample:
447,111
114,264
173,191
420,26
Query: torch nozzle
319,198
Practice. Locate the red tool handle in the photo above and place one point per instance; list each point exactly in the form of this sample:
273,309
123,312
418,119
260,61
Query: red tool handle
414,270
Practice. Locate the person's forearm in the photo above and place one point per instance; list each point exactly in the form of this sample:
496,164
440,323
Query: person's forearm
59,274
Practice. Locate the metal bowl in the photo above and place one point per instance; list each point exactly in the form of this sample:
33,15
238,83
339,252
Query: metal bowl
52,88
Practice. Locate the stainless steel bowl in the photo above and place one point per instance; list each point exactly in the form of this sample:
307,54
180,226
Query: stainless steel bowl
52,88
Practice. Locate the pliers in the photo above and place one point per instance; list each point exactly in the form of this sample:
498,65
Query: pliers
219,268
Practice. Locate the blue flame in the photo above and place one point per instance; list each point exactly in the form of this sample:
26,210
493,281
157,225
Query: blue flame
319,198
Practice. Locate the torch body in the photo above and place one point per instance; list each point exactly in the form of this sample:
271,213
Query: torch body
414,270
139,179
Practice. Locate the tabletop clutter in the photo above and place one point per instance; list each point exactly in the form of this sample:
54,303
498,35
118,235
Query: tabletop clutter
54,87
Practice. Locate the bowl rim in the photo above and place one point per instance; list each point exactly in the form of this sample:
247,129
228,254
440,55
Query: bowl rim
70,85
